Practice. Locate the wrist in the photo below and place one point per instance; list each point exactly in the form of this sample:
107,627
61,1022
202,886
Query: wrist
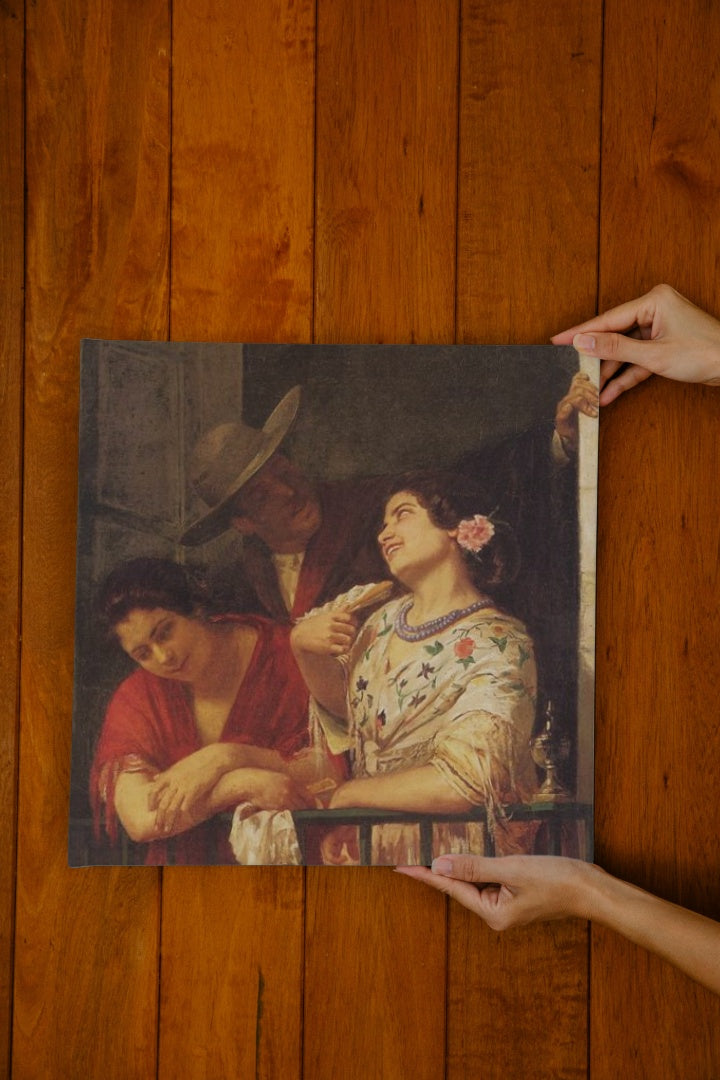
231,756
343,796
599,895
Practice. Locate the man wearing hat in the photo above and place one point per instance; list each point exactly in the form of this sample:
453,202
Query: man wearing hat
304,543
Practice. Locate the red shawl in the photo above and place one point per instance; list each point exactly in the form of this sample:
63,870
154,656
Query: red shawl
149,725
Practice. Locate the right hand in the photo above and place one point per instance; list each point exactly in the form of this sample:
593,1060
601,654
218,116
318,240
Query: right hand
277,791
331,633
668,336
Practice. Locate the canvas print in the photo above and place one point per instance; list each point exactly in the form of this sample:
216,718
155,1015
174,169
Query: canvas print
335,604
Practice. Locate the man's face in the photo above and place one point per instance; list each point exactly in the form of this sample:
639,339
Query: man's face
279,505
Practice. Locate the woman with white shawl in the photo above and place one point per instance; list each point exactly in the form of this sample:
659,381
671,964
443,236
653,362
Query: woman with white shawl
434,694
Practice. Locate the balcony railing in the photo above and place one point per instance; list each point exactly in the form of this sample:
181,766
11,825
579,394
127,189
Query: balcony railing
554,816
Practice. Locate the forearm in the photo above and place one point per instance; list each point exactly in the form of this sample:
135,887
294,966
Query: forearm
140,821
685,939
240,785
423,790
259,757
325,679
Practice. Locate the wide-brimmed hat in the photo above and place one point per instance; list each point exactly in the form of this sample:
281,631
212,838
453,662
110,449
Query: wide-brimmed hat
227,457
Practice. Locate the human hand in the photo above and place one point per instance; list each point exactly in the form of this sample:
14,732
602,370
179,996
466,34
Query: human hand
667,336
512,890
269,790
582,397
330,633
178,789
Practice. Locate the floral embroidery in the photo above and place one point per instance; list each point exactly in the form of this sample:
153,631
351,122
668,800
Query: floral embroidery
392,701
464,647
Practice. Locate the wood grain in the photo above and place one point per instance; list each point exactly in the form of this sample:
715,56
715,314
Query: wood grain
660,533
528,170
386,172
528,197
243,142
385,258
454,181
97,232
12,223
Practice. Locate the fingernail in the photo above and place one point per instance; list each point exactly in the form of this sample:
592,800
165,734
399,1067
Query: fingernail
584,342
442,866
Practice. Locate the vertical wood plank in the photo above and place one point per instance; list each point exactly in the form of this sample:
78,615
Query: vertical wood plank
528,181
527,251
385,271
97,231
12,21
243,138
657,798
386,172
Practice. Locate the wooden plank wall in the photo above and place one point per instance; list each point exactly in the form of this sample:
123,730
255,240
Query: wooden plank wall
369,170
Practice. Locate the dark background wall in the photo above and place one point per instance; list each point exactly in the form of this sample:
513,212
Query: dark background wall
370,171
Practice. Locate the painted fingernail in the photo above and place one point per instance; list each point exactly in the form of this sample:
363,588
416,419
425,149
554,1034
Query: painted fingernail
584,342
442,866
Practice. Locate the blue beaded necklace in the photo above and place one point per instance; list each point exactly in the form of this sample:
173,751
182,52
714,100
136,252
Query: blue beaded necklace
432,626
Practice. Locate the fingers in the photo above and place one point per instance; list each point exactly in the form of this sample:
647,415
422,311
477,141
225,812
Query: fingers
584,395
640,311
476,868
608,368
342,632
628,378
621,348
331,633
466,894
581,397
168,809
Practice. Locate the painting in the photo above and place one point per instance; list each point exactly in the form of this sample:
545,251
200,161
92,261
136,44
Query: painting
335,603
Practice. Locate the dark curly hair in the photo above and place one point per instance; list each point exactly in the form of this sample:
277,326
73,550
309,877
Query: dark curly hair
148,583
449,499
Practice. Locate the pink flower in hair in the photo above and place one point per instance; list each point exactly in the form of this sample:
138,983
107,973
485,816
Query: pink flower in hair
475,532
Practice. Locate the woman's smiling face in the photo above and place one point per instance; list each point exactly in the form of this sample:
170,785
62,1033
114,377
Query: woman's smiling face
411,543
163,642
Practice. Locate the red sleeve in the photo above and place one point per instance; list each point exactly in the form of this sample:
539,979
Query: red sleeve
145,730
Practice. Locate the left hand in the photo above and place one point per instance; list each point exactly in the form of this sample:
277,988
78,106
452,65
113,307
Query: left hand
513,890
582,397
179,788
331,633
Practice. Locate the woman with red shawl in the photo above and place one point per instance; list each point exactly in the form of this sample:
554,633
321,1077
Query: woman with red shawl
209,719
